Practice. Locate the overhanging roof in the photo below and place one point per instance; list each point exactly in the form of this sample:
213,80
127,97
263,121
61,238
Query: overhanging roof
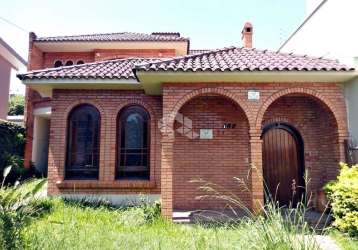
232,65
10,55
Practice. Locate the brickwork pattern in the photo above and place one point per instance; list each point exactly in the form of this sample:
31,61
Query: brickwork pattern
215,161
109,103
318,109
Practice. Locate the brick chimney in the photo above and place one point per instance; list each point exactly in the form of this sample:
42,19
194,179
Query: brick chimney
247,35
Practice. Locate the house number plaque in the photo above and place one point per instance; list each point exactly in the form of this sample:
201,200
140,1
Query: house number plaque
206,134
253,95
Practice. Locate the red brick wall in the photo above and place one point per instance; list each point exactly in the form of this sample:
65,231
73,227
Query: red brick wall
317,110
40,60
51,58
309,109
109,103
318,129
216,161
47,59
101,55
35,62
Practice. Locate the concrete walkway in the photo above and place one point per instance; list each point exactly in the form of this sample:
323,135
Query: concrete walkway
316,220
326,243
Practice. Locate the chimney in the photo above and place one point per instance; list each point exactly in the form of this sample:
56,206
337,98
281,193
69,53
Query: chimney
247,35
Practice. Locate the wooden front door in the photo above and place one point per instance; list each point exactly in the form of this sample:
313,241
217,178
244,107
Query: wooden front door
282,156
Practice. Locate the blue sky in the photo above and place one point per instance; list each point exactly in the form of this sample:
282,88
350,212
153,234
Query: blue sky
209,23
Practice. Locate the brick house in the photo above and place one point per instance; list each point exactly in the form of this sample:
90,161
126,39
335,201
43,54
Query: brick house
123,114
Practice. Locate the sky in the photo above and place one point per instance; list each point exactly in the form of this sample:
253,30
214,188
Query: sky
208,23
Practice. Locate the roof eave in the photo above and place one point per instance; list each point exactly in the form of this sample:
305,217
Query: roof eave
46,86
152,81
341,75
10,55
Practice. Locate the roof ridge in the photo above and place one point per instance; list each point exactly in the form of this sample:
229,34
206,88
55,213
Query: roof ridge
95,35
295,55
92,34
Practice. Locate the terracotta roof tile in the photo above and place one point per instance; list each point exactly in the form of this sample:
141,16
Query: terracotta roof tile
243,59
111,69
228,59
121,36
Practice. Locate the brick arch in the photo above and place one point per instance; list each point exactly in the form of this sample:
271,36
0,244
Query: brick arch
64,126
79,102
69,108
307,92
170,118
124,104
153,132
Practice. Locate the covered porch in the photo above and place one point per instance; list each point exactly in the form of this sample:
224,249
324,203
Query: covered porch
218,136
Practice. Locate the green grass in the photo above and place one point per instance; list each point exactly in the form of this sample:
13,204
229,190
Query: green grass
344,241
73,226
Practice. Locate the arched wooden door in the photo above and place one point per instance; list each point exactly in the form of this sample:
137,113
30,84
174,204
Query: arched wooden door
283,169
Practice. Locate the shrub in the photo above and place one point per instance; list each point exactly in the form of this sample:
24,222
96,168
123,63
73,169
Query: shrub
343,195
151,211
142,213
16,105
12,146
16,209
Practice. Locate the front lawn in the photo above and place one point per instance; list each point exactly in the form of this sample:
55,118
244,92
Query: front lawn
73,226
70,226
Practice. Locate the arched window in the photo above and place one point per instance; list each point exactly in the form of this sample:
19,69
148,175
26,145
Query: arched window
82,161
57,64
133,143
80,62
69,63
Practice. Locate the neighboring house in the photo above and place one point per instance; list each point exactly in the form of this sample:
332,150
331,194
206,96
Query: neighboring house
9,60
126,114
329,31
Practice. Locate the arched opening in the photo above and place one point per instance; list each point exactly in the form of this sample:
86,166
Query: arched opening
318,128
283,163
57,64
133,143
83,143
69,63
80,62
211,145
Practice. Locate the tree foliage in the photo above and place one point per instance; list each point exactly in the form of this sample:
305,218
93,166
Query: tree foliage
16,105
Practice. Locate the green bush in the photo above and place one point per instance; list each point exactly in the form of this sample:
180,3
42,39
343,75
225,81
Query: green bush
16,105
343,195
12,146
17,206
151,210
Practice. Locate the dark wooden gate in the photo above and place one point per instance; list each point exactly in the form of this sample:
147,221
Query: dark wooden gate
283,169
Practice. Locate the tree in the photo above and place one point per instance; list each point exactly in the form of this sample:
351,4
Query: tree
16,105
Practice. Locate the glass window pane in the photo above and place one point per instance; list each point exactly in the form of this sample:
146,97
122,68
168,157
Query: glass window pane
134,131
83,141
133,160
133,146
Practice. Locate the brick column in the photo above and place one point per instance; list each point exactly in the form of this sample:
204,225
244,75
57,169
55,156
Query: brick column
257,171
342,157
167,176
